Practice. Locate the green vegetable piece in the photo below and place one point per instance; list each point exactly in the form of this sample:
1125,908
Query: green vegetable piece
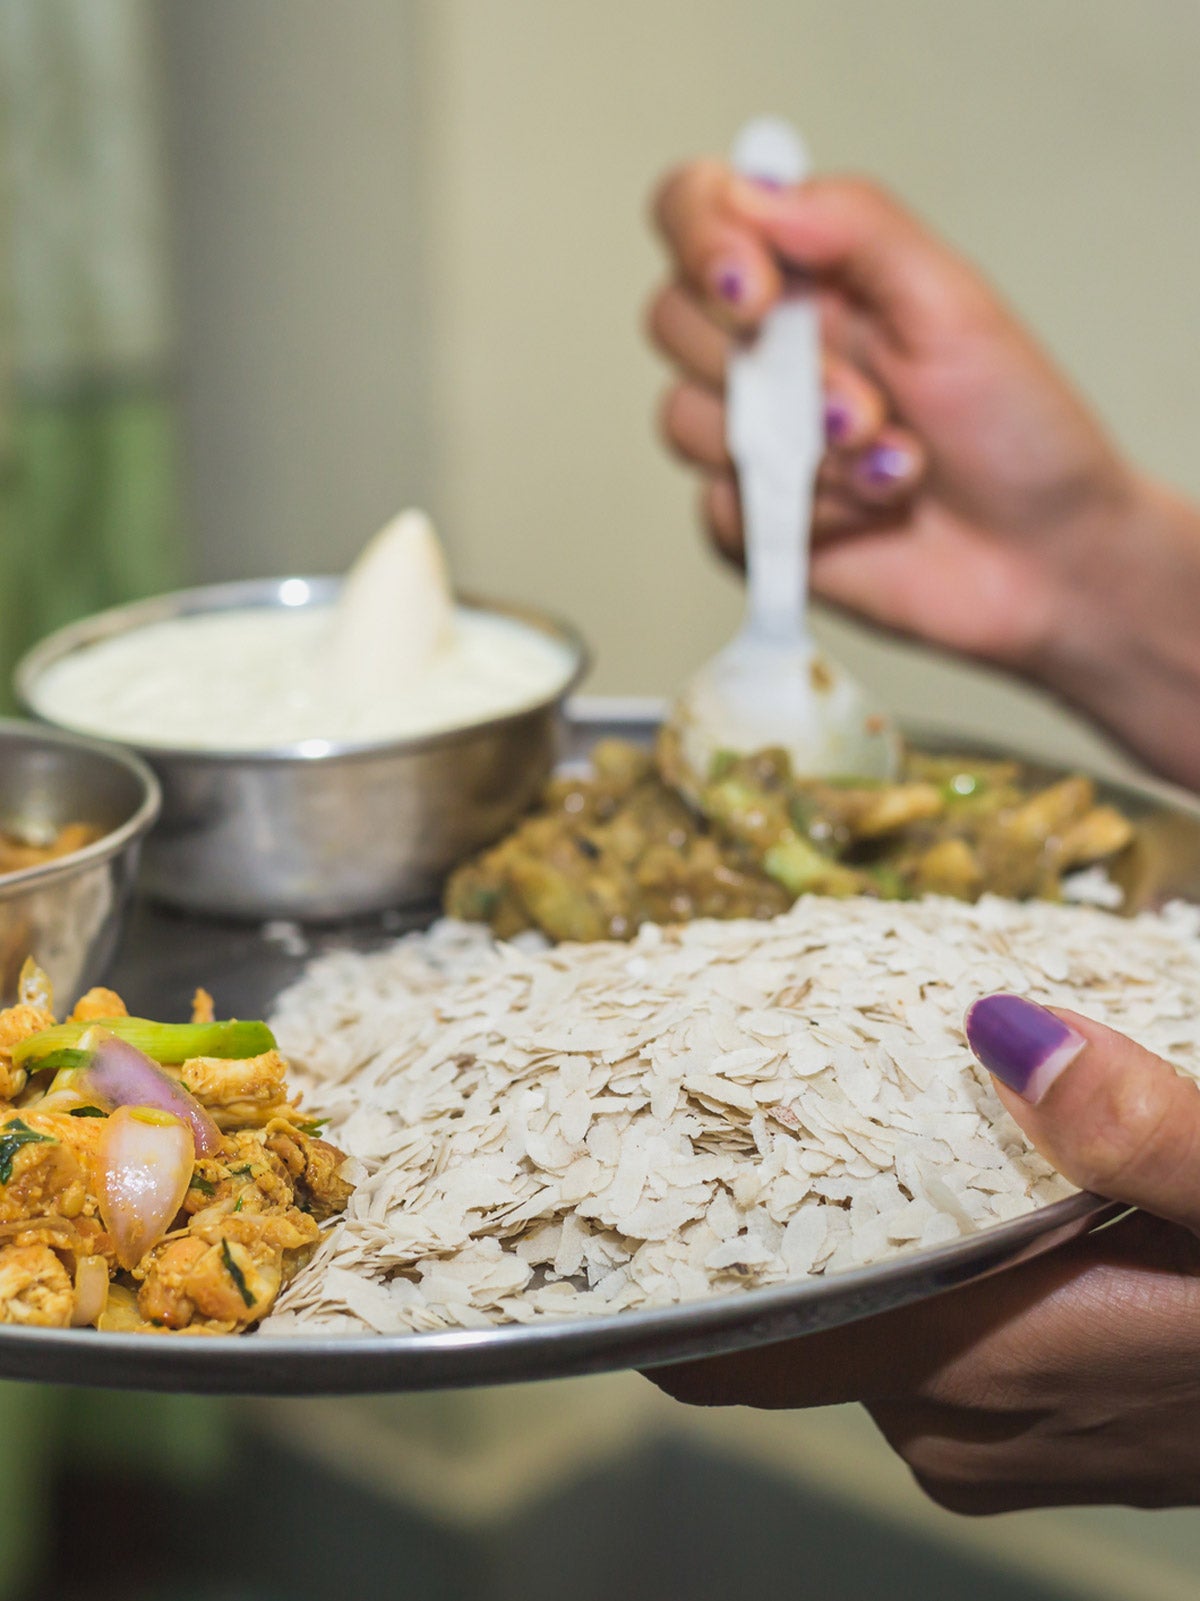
890,883
745,812
802,870
205,1186
168,1043
313,1126
237,1205
796,864
802,813
235,1273
62,1061
723,763
13,1136
86,1111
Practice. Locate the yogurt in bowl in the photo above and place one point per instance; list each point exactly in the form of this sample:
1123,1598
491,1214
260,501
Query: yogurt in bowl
392,658
327,748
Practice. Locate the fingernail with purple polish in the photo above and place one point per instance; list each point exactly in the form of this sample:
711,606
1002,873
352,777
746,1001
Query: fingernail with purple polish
729,280
1023,1044
838,421
884,466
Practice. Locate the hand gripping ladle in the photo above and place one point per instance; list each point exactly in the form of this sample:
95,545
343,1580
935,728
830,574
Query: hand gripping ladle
772,685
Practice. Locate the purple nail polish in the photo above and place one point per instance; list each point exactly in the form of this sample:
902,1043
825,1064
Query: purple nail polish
730,282
884,466
838,421
771,185
1023,1044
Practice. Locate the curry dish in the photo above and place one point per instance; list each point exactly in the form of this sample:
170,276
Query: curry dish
152,1176
606,852
19,851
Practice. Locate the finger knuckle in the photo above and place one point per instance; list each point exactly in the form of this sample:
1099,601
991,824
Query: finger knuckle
672,411
679,191
950,1473
715,525
969,1500
719,518
665,197
656,319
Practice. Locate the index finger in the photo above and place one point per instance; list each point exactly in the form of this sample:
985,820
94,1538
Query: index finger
722,257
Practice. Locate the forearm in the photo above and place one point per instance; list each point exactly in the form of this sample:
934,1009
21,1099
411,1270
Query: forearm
1126,651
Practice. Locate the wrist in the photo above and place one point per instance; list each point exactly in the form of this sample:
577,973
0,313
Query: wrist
1122,637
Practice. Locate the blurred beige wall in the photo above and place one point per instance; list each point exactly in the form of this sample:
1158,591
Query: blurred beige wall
413,258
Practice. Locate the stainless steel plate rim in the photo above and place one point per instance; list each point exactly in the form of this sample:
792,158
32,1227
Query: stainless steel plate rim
548,1348
271,594
108,845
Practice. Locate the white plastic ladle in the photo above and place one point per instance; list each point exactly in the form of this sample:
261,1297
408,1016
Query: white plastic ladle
773,685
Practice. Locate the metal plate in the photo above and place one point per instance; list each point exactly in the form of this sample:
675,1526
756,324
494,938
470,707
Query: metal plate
166,955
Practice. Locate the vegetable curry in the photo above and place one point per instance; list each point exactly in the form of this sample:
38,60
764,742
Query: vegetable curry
606,852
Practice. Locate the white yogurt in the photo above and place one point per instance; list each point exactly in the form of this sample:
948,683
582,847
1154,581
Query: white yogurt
258,678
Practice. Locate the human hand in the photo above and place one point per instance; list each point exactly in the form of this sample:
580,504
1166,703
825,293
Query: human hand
968,496
1073,1378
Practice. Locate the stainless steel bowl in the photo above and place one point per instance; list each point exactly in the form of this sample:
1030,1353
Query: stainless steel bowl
321,831
67,914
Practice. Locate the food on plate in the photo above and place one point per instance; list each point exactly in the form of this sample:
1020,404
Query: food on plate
29,847
596,1128
153,1176
394,658
606,852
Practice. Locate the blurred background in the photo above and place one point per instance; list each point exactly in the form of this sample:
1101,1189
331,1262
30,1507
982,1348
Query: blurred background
270,269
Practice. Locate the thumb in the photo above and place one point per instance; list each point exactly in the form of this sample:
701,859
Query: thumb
1111,1116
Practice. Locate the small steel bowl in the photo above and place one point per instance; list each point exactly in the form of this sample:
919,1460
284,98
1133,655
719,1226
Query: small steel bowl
323,831
67,914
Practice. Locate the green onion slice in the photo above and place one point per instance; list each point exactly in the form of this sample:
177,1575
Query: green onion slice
169,1044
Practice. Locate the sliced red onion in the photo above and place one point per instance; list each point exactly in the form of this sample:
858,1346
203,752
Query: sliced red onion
144,1164
118,1074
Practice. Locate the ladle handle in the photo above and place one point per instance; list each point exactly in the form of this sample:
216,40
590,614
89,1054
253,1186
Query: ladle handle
775,428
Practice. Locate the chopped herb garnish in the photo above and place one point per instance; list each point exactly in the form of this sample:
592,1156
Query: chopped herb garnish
235,1273
86,1111
313,1126
205,1186
12,1137
237,1172
237,1205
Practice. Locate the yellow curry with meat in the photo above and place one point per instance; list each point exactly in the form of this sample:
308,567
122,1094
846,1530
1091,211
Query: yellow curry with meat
152,1176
